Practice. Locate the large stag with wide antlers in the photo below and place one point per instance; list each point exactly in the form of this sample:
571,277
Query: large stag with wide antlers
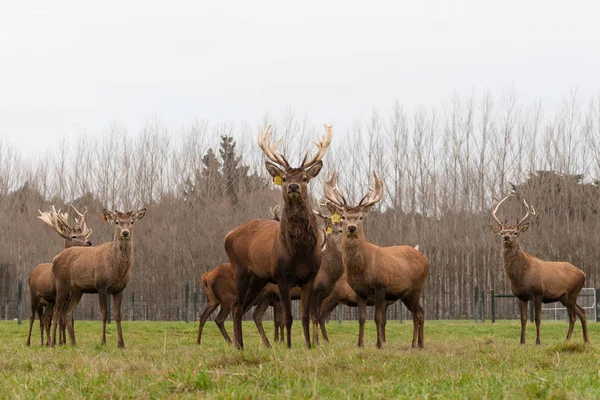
286,252
537,280
104,269
41,280
381,273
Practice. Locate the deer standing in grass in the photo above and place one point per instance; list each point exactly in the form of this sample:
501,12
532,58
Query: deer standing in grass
103,269
538,280
286,253
219,287
41,279
382,273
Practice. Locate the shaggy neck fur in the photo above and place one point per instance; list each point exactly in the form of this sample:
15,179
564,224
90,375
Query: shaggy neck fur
298,228
122,253
515,263
354,251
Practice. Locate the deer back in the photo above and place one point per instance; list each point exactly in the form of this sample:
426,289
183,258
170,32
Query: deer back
85,267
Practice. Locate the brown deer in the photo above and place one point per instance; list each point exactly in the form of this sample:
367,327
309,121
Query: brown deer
286,252
41,280
538,280
219,287
103,269
381,273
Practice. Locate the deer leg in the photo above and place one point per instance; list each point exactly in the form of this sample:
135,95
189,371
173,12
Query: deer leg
277,321
379,311
61,299
421,316
103,302
34,310
581,314
315,310
306,298
385,321
242,278
537,305
523,309
413,308
208,310
257,316
68,314
572,319
49,310
362,316
220,321
286,304
327,307
117,298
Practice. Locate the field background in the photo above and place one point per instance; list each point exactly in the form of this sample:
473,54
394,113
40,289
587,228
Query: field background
461,360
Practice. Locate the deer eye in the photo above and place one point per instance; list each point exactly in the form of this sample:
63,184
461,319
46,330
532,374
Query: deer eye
283,179
305,179
116,222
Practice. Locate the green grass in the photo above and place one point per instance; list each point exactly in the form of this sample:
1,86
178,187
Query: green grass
461,360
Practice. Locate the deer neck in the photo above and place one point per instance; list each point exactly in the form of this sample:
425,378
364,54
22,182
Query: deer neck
332,260
515,262
355,253
298,227
122,254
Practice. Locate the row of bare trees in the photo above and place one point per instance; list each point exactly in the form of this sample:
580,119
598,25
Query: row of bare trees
441,169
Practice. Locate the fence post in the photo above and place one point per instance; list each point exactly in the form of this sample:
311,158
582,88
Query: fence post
195,305
531,310
475,301
400,311
132,306
187,301
437,309
20,302
597,305
493,304
91,312
340,313
109,308
482,299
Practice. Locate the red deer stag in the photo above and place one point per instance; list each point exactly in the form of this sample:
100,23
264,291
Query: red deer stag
103,269
537,280
286,252
382,273
41,280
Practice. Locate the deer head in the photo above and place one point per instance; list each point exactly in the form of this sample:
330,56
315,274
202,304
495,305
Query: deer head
294,181
74,235
510,233
351,217
123,221
333,230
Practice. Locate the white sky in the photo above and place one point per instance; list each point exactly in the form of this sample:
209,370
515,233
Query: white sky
70,68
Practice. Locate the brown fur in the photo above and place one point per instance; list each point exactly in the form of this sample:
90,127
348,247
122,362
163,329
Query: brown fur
540,281
104,269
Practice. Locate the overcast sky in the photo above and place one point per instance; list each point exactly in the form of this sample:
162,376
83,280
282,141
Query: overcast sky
70,68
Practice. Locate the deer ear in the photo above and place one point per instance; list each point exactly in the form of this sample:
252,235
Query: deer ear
108,215
314,170
140,214
273,169
524,227
495,229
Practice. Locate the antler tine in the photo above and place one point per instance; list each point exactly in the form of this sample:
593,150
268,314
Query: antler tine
376,194
322,145
331,196
269,148
529,208
77,211
275,212
321,215
56,221
495,209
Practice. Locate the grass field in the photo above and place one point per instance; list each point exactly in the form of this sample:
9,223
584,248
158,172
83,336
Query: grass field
461,360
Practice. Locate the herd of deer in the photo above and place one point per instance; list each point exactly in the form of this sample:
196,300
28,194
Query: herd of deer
291,256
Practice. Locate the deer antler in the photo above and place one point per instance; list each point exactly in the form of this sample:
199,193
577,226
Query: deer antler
495,209
529,208
376,194
321,215
322,145
57,221
332,194
265,142
275,212
85,231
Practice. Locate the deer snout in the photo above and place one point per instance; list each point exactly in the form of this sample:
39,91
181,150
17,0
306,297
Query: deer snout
506,238
293,187
352,228
88,243
125,233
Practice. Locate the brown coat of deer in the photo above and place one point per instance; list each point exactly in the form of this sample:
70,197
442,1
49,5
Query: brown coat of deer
285,253
41,279
103,269
538,280
219,287
381,273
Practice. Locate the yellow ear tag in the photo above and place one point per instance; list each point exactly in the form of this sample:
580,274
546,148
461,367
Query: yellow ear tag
329,230
277,180
335,218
